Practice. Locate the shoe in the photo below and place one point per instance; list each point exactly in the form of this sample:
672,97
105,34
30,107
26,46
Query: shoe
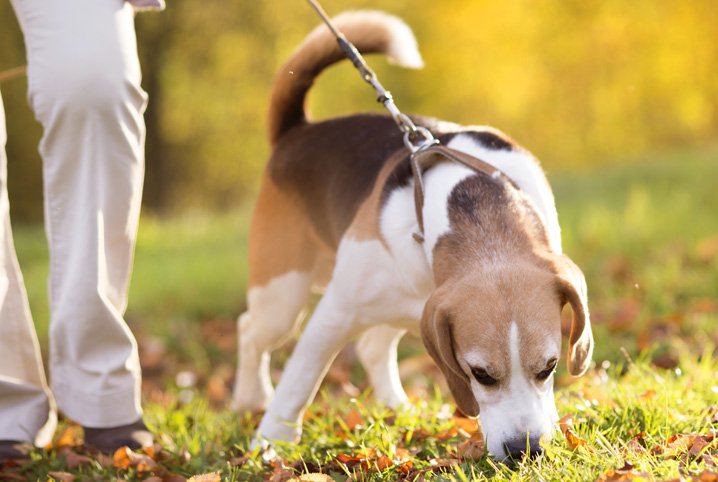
107,440
9,450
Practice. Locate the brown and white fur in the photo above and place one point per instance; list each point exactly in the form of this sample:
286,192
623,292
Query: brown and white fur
336,211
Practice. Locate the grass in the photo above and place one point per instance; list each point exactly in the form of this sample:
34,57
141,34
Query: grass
646,235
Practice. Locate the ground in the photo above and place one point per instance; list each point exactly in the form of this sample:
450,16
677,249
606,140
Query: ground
645,233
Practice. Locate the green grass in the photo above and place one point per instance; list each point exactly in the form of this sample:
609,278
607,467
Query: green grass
646,235
610,408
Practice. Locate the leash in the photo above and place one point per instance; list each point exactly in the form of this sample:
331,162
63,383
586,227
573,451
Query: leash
415,137
13,73
424,147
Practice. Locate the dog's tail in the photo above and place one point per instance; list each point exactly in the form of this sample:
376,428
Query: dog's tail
369,31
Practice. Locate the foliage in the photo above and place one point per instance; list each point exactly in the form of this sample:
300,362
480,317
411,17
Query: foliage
647,409
630,422
578,83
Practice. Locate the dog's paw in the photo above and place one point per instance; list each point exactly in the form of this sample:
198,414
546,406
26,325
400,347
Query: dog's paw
264,447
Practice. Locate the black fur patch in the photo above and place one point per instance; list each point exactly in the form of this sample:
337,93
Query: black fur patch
491,140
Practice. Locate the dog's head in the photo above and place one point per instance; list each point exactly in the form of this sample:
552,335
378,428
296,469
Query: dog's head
496,335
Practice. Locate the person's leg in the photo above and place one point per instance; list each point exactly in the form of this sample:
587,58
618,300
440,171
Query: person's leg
25,402
84,87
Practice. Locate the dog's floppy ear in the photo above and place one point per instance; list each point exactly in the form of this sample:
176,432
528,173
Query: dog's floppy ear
437,337
572,289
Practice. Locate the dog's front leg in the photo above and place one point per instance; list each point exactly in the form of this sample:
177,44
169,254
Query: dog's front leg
327,331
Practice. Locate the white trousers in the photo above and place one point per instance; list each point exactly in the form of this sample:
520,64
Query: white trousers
84,87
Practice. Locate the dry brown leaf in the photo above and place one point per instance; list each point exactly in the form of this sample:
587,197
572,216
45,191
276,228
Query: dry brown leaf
312,478
175,478
468,425
9,477
104,460
565,422
574,441
675,445
74,461
627,472
667,361
208,477
279,475
473,448
125,458
442,465
636,444
446,434
383,463
648,394
70,437
707,476
697,446
121,458
62,476
354,420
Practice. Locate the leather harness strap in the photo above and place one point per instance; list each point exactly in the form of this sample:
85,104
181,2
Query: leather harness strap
424,158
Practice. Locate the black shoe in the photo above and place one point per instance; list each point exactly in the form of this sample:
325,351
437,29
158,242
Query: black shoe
134,436
9,450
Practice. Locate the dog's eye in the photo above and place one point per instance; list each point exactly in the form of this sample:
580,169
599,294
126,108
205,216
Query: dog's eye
544,374
483,378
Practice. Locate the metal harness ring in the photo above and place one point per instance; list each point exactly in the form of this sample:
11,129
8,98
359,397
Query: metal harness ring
419,139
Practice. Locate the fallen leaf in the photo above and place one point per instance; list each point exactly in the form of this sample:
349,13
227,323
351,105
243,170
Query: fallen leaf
208,477
354,420
624,473
445,435
312,478
636,444
442,465
648,394
707,476
473,448
279,475
667,361
698,445
125,458
175,478
74,460
574,441
62,476
675,445
121,458
565,423
9,476
104,460
70,437
468,425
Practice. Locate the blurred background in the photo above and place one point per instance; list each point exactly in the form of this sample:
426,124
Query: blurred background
618,99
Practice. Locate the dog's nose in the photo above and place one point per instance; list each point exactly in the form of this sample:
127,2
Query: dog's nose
517,447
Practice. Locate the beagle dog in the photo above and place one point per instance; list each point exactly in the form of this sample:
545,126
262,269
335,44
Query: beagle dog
336,211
